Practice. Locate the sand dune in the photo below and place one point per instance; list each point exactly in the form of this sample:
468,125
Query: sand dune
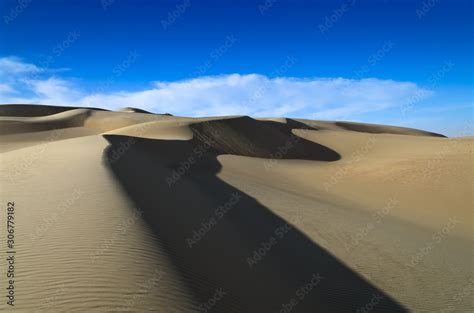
129,211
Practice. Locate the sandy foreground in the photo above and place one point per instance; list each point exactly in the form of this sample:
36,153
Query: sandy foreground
129,211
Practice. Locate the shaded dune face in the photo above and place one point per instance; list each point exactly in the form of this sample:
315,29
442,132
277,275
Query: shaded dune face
138,110
133,110
178,204
245,136
20,125
34,110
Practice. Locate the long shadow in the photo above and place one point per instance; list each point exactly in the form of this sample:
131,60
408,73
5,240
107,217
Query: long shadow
291,272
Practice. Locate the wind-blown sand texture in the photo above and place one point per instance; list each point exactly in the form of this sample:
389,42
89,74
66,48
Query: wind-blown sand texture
131,211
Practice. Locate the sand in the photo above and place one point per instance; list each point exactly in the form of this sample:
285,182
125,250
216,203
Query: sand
130,211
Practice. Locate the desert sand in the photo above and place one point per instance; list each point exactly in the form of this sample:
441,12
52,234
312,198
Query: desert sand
129,211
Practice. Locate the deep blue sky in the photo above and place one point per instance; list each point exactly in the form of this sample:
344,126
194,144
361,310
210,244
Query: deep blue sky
421,44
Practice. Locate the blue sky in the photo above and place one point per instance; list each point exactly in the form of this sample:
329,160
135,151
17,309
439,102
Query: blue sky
399,62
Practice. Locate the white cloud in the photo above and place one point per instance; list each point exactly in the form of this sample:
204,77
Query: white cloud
13,65
54,90
5,89
233,94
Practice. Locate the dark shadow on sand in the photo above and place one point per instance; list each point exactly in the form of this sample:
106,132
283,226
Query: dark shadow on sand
175,208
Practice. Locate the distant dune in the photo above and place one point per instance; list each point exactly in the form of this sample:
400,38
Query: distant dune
130,211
